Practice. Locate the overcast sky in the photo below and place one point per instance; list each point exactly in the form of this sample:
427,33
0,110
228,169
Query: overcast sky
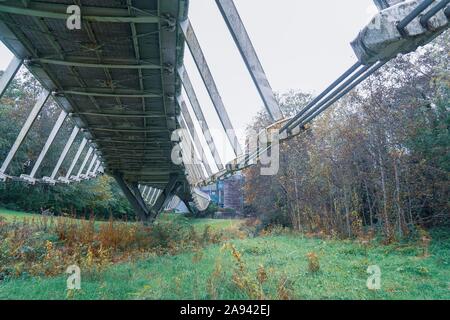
302,45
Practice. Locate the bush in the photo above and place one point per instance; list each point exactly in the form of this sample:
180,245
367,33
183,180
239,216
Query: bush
47,246
313,262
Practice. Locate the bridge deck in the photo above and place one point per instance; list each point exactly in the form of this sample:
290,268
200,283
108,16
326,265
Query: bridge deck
116,77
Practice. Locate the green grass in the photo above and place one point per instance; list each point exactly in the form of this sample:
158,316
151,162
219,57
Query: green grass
11,215
343,264
215,224
199,224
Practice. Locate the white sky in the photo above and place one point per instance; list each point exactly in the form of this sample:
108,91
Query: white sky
303,45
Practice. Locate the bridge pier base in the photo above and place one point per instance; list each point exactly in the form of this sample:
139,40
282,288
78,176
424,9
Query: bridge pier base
189,207
165,196
133,195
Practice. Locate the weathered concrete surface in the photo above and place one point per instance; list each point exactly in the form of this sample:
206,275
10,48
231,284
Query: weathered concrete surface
381,40
201,199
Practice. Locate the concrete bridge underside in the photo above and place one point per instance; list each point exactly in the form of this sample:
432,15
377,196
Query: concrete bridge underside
116,77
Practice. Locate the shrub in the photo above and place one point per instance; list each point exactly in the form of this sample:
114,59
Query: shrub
46,246
313,262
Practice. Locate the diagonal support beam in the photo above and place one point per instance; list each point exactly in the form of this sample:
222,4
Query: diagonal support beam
91,165
75,160
188,206
150,196
203,68
147,196
9,74
241,38
141,210
381,4
165,195
83,164
138,195
182,73
63,156
190,160
62,117
96,169
153,196
194,158
144,189
24,132
186,122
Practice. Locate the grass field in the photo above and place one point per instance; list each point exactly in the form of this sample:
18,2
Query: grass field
11,215
270,267
215,224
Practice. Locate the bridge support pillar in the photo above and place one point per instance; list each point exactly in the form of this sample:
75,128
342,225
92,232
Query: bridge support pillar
138,194
165,196
31,178
62,157
91,165
83,165
133,194
188,206
95,172
74,162
24,132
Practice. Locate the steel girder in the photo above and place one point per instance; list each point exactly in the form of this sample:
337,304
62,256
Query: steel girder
248,53
24,132
62,157
210,84
187,84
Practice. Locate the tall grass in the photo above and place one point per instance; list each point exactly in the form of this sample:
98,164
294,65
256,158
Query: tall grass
47,246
